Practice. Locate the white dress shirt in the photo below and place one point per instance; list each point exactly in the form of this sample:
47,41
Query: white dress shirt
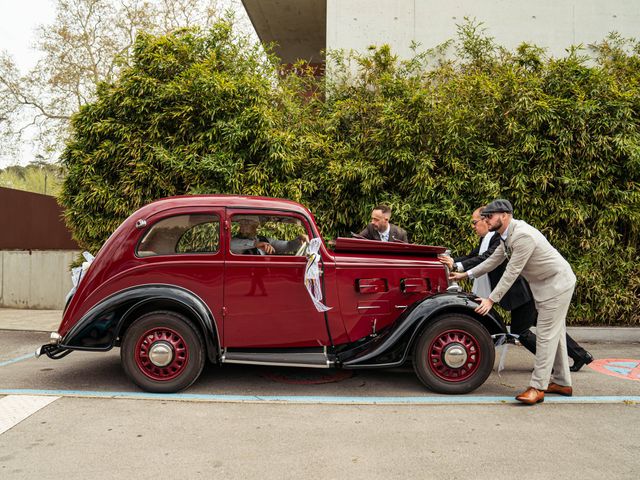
384,236
482,285
489,235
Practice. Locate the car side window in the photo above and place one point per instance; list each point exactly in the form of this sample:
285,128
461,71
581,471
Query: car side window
268,235
182,234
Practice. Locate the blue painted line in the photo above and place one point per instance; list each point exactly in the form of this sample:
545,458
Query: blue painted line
629,365
440,400
19,359
621,371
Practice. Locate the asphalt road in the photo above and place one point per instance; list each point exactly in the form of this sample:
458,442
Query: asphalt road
245,422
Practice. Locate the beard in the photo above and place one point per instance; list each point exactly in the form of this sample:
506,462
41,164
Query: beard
497,226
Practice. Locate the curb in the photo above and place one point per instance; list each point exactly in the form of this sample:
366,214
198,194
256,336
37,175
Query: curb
605,334
49,320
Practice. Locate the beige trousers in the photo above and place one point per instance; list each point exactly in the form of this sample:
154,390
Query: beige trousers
551,342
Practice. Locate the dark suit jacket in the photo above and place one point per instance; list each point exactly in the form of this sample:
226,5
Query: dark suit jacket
518,294
395,233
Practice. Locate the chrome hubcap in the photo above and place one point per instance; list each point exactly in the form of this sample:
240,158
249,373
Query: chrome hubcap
161,354
455,355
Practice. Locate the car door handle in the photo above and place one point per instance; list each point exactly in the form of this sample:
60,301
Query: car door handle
367,307
371,285
415,285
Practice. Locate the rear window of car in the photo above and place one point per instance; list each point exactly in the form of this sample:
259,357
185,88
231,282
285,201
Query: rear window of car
182,234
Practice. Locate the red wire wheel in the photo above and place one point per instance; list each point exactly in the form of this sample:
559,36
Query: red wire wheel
454,354
161,354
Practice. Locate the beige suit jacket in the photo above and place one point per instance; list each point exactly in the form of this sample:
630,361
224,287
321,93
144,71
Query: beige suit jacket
531,255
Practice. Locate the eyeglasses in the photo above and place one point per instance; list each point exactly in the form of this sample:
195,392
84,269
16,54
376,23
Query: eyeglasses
475,222
487,216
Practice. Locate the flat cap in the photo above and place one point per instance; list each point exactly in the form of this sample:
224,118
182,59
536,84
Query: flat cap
500,205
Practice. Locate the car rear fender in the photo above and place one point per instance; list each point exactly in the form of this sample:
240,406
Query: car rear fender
397,343
103,325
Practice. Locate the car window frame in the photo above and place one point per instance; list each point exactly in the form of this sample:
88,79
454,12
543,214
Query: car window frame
158,217
231,212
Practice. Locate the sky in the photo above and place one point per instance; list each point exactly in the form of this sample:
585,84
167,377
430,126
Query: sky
18,22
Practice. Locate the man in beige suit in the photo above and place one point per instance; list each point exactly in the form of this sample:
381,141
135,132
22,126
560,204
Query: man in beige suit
552,283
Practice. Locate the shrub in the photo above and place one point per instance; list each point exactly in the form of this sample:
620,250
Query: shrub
194,112
434,136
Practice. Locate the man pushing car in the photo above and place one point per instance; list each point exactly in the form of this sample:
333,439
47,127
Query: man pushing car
552,283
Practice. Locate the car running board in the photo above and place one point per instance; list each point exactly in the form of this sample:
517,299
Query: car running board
282,359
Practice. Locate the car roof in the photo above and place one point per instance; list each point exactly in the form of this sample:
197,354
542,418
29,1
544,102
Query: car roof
218,200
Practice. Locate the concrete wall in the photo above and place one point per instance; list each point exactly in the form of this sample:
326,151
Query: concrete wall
38,279
554,24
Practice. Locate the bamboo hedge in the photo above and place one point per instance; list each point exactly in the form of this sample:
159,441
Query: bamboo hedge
435,136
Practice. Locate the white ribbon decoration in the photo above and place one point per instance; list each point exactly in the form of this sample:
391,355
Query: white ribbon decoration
312,275
78,272
502,342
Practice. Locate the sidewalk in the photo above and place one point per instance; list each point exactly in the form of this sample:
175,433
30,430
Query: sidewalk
49,320
30,320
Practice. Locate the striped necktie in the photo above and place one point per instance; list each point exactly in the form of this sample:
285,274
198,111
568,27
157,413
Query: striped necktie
507,250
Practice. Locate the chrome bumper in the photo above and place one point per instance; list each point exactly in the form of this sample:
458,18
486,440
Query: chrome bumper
52,349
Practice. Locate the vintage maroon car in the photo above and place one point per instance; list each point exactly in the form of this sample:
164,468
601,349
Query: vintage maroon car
183,280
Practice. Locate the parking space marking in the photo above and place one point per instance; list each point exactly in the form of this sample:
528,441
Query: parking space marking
19,359
627,368
313,399
16,408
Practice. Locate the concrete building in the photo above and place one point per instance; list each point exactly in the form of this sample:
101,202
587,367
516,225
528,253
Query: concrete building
36,251
303,28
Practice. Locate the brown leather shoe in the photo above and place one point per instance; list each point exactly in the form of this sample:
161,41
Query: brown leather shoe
531,396
559,389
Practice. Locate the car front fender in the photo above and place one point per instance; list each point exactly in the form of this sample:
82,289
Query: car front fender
394,345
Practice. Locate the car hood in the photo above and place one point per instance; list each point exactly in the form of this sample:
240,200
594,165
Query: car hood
384,249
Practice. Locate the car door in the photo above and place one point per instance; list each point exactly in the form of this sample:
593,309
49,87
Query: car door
184,247
266,303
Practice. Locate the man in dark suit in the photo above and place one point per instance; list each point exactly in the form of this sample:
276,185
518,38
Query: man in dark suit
381,229
518,299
